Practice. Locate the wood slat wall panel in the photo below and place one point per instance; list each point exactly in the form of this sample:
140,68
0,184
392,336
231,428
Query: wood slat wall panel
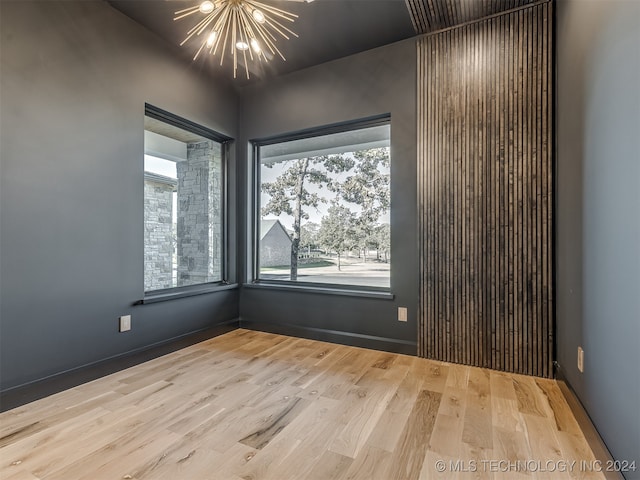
485,192
431,15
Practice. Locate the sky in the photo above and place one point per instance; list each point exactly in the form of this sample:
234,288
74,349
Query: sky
268,175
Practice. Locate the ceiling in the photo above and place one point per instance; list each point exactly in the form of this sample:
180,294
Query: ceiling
327,29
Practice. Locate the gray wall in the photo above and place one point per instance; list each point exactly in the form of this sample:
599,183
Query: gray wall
375,82
598,219
75,78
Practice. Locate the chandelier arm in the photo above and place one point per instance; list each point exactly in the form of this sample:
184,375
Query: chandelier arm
199,50
246,64
226,29
266,31
267,41
219,27
234,40
207,21
279,53
191,33
197,28
185,13
277,26
248,33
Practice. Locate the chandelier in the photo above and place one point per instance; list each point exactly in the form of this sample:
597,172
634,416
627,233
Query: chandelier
245,28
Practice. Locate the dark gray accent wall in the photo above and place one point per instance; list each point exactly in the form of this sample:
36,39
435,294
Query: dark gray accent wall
598,219
75,78
375,82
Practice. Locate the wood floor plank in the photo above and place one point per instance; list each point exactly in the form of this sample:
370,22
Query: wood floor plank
458,376
100,465
324,362
435,376
453,403
330,465
446,437
574,448
370,464
179,461
412,448
432,468
477,430
235,459
505,414
478,388
527,393
264,434
544,444
407,392
502,386
564,420
22,451
308,452
258,406
388,430
21,475
476,457
510,446
362,416
306,437
66,448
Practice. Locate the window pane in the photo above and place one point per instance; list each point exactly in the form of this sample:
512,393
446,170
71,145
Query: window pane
325,206
182,207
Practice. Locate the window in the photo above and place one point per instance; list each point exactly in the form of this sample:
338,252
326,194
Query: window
183,203
323,215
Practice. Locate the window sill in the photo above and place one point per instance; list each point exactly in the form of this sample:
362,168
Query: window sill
201,290
349,292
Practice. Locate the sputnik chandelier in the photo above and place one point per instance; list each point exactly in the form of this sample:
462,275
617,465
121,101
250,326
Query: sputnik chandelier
247,28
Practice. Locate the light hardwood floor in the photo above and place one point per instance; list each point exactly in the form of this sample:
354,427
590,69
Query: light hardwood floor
253,405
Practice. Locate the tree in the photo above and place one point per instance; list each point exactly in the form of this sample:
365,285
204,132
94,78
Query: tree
289,193
337,230
309,235
383,237
369,188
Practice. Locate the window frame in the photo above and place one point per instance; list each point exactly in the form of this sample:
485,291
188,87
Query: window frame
152,296
310,287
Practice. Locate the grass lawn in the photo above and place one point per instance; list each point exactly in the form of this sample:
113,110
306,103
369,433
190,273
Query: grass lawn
316,264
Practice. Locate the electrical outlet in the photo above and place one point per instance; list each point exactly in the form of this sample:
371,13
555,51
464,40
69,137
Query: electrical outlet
125,323
402,314
580,359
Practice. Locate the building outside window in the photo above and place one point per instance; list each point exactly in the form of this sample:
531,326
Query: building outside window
183,203
324,206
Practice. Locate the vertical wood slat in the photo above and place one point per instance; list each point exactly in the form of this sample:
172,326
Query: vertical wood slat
486,193
431,15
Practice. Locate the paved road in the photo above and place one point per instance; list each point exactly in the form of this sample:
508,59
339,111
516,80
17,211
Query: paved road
366,274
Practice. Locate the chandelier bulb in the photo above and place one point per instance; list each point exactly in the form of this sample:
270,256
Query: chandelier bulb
207,6
242,45
258,16
211,38
255,45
